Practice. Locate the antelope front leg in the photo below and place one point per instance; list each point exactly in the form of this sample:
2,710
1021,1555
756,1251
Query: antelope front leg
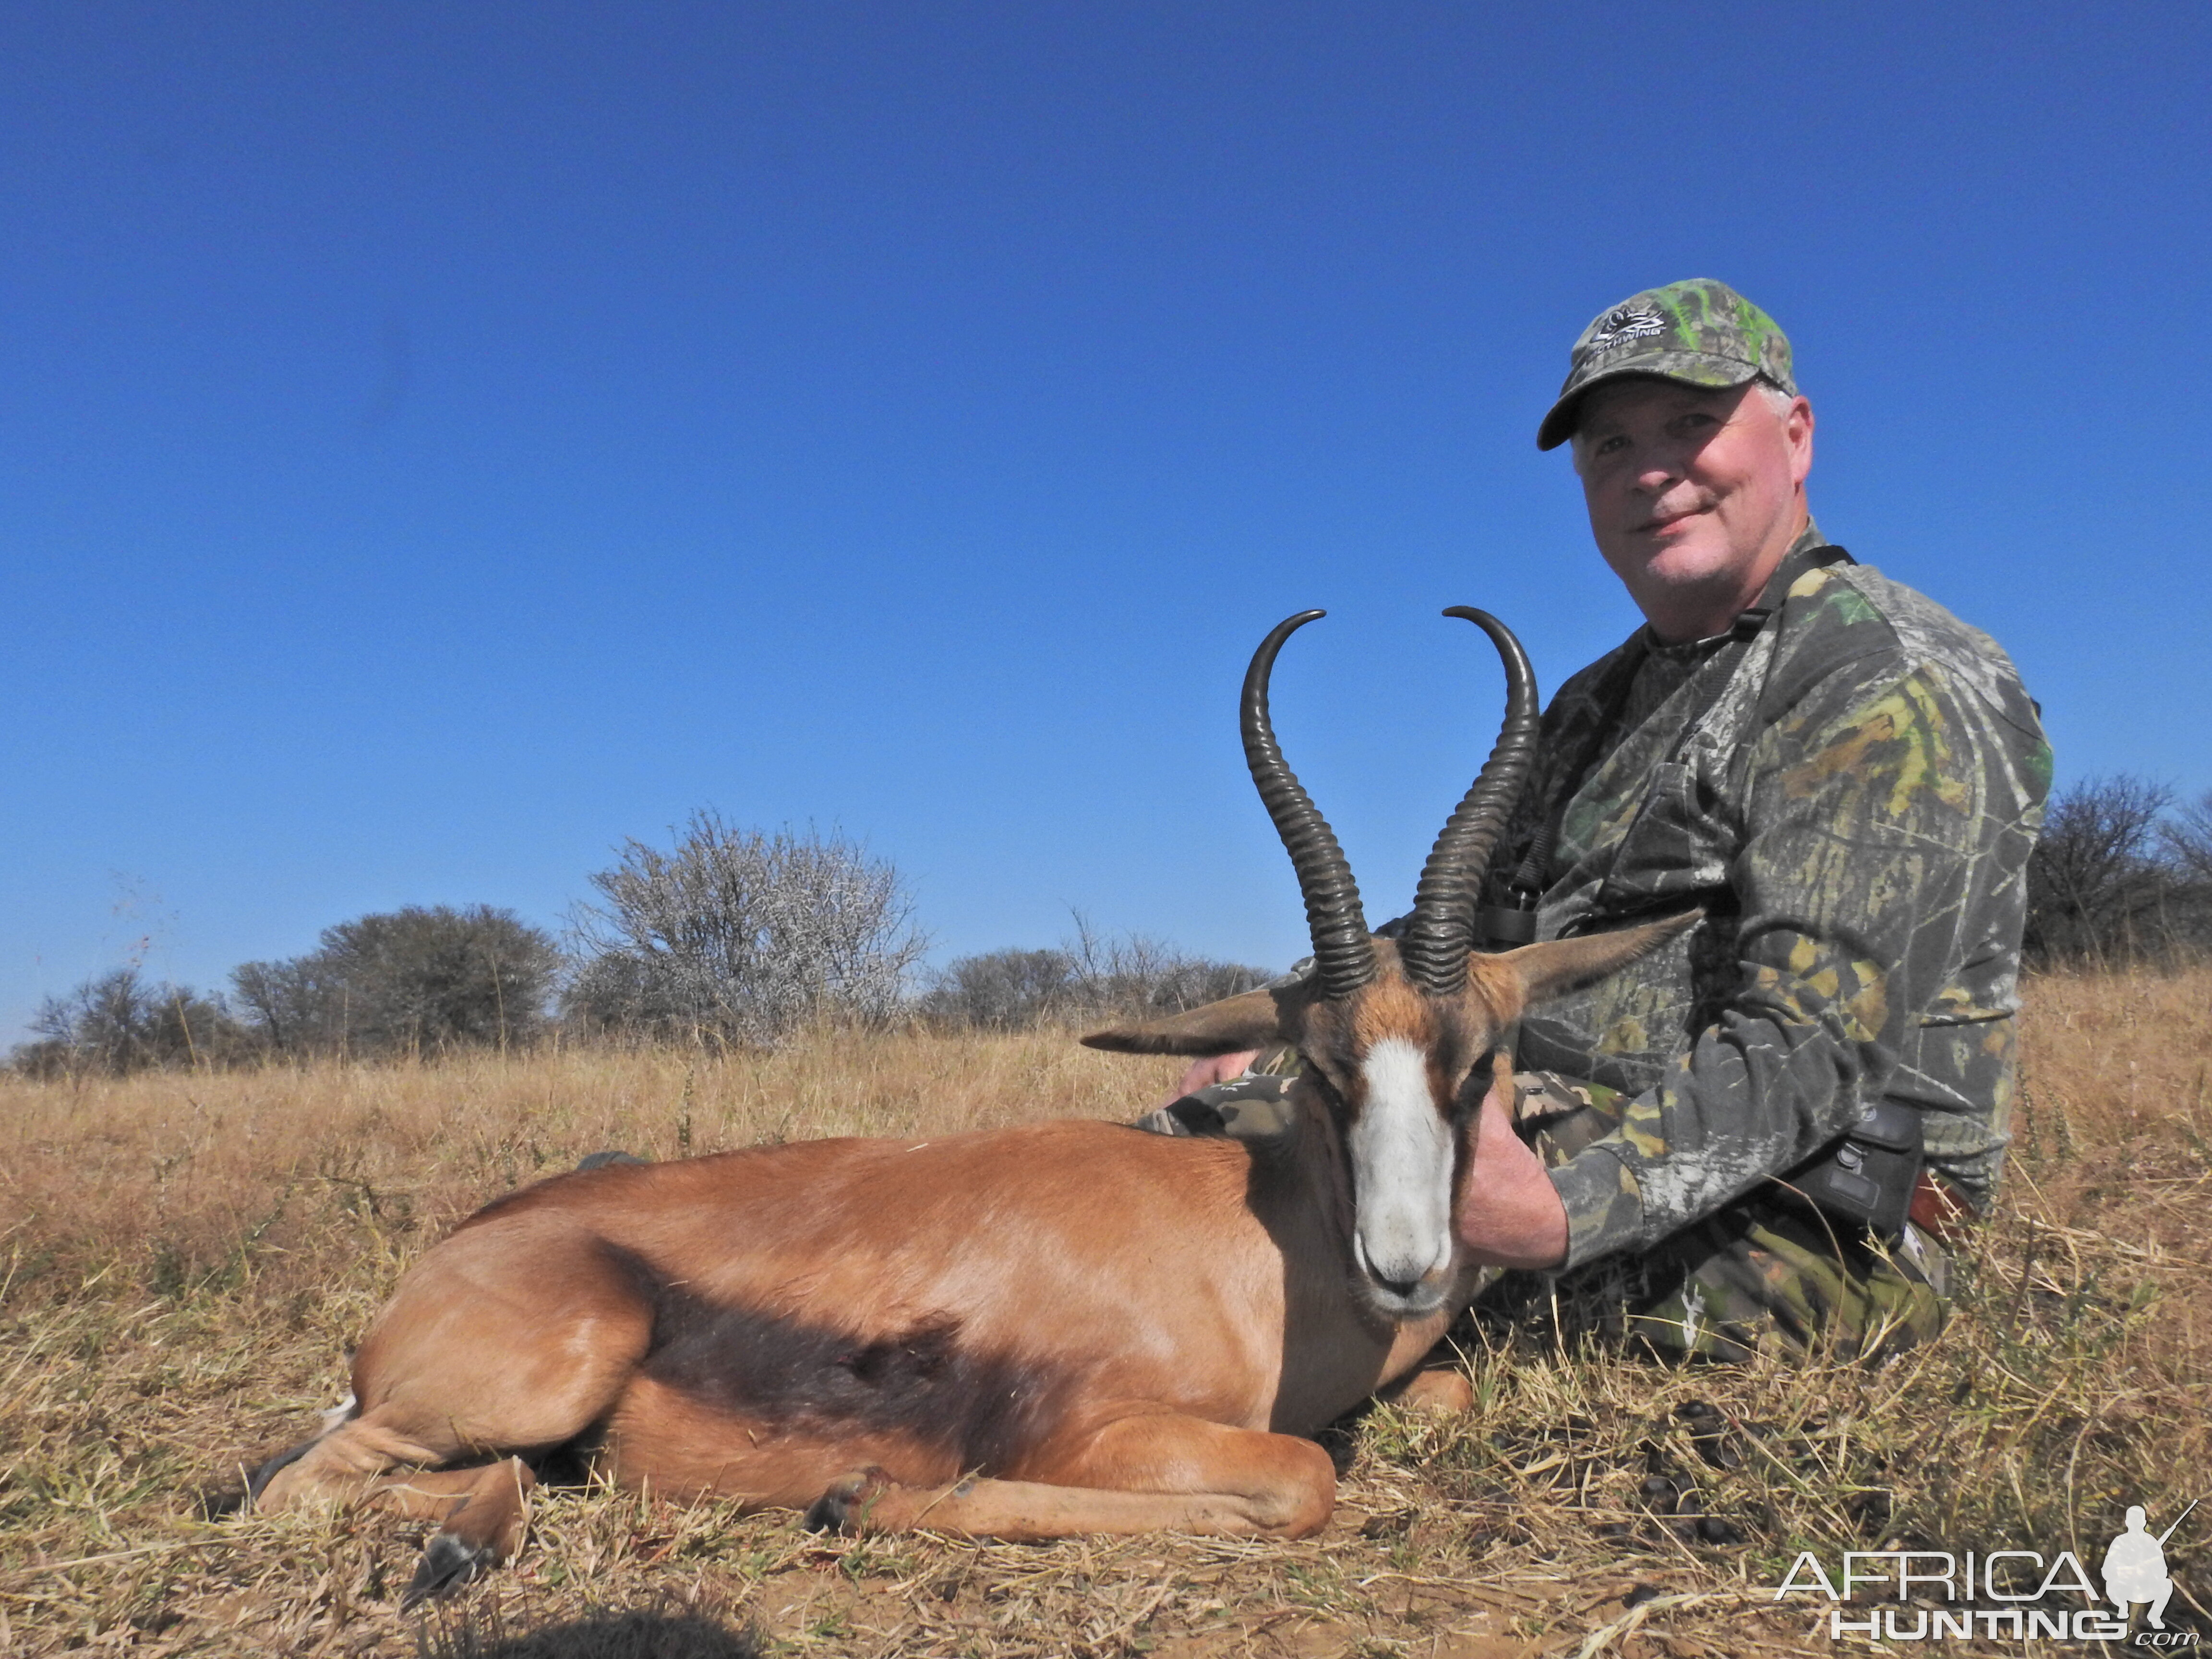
1442,1392
1154,1473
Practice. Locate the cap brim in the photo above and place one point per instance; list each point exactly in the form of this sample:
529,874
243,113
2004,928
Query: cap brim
1683,367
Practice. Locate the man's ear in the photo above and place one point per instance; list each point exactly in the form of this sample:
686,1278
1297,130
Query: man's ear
1559,966
1253,1020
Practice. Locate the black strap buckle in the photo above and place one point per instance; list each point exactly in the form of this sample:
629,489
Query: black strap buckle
1502,927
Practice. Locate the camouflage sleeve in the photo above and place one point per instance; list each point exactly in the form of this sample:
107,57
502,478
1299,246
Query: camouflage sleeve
1888,811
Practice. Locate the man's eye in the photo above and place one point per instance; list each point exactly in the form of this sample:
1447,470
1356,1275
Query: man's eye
1611,445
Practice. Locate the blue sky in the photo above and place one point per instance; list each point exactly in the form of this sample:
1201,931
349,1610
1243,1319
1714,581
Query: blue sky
438,442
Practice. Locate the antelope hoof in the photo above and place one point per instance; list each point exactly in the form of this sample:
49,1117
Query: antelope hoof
844,1508
448,1564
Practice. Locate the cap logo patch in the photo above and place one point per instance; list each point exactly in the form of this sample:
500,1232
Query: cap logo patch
1625,323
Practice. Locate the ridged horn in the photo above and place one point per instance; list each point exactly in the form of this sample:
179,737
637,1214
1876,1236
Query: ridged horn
1344,952
1441,932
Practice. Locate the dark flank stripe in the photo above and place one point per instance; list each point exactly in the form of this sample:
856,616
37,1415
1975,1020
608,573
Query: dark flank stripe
984,1411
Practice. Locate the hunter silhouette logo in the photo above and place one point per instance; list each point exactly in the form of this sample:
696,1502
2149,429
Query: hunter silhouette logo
2134,1566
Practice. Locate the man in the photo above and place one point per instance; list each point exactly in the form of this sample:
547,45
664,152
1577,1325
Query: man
1714,1149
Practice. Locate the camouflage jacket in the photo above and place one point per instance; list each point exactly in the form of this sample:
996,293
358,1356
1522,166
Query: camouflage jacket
1854,810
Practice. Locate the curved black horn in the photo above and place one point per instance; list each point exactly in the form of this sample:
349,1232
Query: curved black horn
1441,931
1344,953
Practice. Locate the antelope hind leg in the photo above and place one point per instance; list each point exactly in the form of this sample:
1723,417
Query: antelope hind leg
484,1511
1161,1473
503,1339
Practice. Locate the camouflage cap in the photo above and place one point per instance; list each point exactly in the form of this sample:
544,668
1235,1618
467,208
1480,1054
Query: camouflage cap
1700,332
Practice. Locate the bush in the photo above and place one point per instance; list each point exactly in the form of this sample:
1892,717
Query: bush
121,1023
2113,881
2188,838
1088,978
736,936
1008,990
418,981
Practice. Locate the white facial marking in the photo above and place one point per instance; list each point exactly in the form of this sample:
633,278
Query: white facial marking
1401,1168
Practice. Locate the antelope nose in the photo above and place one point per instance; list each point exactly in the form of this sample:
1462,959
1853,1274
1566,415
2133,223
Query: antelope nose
1404,1289
1398,1273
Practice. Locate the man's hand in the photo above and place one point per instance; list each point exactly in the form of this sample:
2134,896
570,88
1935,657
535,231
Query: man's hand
1509,1214
1214,1068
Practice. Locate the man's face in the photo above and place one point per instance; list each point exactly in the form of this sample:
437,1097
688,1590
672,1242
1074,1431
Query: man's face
1694,495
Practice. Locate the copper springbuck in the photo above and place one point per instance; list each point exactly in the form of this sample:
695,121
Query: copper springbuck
1017,1334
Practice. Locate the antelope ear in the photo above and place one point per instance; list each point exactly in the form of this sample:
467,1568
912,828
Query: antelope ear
1559,966
1250,1021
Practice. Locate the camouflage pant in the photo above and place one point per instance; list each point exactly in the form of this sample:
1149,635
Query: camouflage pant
1765,1274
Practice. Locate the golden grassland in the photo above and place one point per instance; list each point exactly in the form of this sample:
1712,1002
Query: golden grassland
184,1258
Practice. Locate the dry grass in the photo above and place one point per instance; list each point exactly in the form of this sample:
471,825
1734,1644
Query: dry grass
188,1256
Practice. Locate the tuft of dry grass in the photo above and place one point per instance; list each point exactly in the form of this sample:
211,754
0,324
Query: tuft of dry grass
188,1256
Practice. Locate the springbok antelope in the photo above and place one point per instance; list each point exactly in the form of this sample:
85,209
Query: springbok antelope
1021,1334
